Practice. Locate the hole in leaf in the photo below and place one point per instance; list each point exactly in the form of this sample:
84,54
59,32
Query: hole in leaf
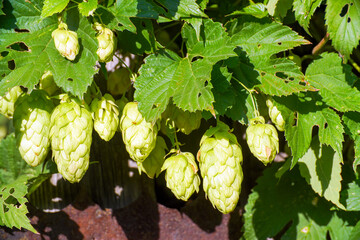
3,75
281,75
344,10
197,58
153,106
11,64
325,125
206,83
4,53
6,209
199,95
349,20
19,46
70,79
279,43
11,200
21,30
291,78
259,45
274,66
351,4
294,122
12,190
263,74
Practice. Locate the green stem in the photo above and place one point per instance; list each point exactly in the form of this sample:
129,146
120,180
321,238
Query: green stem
355,65
125,65
173,39
321,44
177,144
257,114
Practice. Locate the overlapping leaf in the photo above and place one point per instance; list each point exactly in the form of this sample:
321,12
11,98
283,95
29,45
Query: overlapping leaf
186,80
343,21
304,11
352,128
321,167
331,78
88,7
181,8
40,53
53,6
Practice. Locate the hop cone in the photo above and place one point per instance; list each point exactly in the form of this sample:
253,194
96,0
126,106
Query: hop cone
262,139
47,83
119,81
138,135
275,116
7,102
181,175
153,163
66,41
71,129
32,126
107,43
106,116
220,158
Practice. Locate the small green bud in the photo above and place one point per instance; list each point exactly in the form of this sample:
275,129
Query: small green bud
275,116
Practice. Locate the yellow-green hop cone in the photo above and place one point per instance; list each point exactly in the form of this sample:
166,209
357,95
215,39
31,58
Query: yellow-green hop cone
106,116
7,102
107,43
66,41
138,135
220,158
262,139
32,126
275,116
71,136
181,175
47,83
153,163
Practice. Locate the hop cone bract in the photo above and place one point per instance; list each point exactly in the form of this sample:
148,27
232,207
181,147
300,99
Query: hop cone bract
220,158
7,102
138,135
71,129
107,43
153,163
181,175
66,41
262,139
106,116
275,116
32,126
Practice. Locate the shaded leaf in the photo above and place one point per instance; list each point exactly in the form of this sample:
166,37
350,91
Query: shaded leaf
352,128
279,8
350,196
257,10
304,11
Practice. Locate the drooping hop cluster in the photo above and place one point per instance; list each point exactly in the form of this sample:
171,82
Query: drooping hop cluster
106,116
262,139
7,102
71,129
138,135
119,81
47,83
153,163
107,43
185,121
181,175
66,41
220,158
32,126
275,116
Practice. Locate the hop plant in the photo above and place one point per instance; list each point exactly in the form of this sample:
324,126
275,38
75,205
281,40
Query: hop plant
7,102
119,81
181,175
220,159
275,116
32,126
107,43
106,116
71,129
66,41
262,139
47,83
153,163
138,135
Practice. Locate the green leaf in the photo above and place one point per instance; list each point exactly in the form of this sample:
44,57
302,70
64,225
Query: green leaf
41,55
87,8
1,6
321,167
343,21
181,9
186,80
304,9
330,77
53,6
355,234
13,205
352,128
118,16
262,39
350,196
279,7
286,204
341,225
257,10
